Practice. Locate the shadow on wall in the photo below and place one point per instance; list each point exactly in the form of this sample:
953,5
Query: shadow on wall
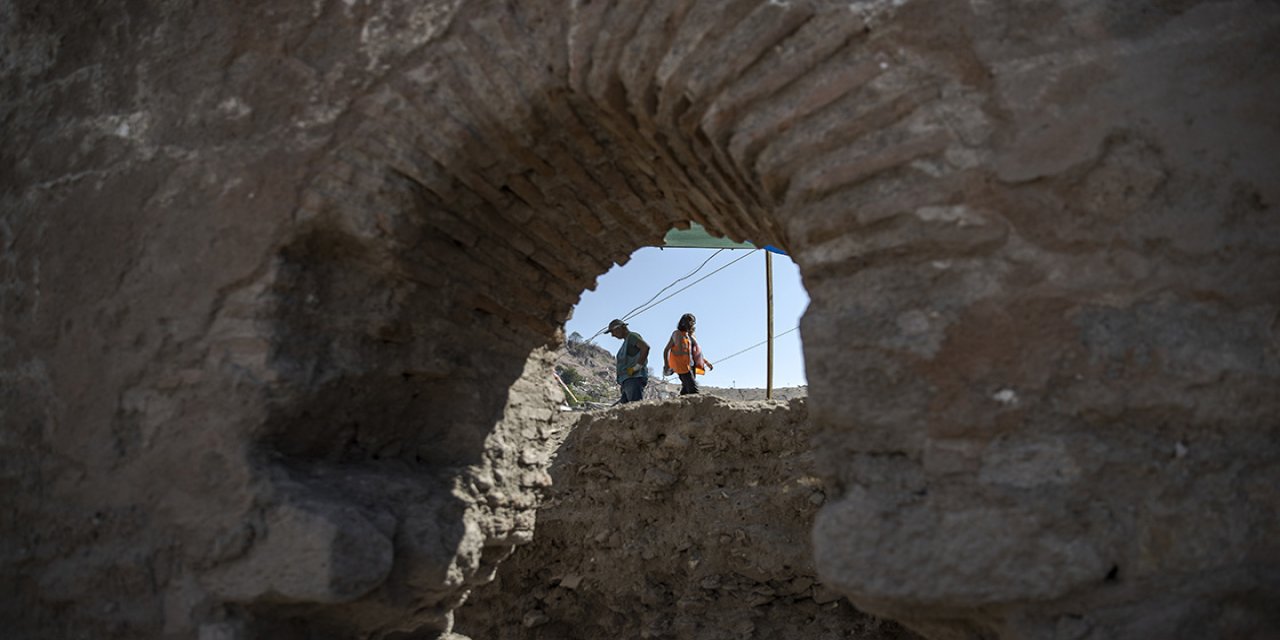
368,370
372,468
437,250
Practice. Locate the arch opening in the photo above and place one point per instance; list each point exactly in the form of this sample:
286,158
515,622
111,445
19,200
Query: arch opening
727,289
436,257
439,249
277,283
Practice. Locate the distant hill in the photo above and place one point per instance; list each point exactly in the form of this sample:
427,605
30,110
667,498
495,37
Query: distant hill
588,370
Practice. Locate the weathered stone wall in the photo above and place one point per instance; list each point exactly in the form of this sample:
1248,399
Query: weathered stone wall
269,276
686,518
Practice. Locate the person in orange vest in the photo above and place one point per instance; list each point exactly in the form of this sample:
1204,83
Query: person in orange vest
632,361
683,356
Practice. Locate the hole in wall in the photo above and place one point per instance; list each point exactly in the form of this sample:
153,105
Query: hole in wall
437,257
684,518
725,289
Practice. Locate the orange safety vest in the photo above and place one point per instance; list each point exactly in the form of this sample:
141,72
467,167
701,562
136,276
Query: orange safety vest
683,353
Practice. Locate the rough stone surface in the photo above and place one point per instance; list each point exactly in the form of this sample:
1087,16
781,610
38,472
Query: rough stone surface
676,519
278,279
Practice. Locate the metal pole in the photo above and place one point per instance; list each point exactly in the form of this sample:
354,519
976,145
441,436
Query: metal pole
768,288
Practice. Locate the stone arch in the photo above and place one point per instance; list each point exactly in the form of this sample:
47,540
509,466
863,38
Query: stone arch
486,183
504,171
1019,229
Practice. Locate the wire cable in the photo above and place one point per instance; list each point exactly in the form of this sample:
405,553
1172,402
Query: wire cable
643,308
686,287
776,335
630,313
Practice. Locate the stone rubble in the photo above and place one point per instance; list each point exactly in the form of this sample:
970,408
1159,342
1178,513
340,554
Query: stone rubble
683,518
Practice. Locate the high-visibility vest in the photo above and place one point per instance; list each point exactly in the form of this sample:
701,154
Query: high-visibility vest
683,353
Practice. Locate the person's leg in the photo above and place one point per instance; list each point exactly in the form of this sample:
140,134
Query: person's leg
632,389
688,384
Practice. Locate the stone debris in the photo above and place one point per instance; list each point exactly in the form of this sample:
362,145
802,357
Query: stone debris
720,551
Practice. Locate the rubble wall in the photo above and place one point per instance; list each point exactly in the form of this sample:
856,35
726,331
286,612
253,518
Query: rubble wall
685,518
276,283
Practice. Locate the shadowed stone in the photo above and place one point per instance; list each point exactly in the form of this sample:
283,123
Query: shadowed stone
279,281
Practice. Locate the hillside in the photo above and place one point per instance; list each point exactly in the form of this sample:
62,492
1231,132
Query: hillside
588,370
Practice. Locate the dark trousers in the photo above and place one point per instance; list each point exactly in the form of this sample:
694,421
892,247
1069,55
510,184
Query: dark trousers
633,389
688,384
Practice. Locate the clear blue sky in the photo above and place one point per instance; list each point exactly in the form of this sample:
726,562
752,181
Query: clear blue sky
730,307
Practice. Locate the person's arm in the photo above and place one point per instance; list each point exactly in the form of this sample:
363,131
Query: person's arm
644,353
701,359
666,359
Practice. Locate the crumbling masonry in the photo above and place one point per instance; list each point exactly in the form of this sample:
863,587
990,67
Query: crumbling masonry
276,281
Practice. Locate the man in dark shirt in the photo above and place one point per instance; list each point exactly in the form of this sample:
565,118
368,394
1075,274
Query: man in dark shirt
633,358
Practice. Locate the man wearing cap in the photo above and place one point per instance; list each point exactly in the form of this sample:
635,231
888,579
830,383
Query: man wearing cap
633,358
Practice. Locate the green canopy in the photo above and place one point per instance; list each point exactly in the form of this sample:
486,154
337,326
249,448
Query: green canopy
698,238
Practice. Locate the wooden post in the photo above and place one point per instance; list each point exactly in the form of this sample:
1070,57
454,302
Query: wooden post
565,387
768,288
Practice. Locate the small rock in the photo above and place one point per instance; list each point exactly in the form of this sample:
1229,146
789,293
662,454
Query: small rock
1071,627
659,478
1006,397
534,618
675,441
799,585
823,595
